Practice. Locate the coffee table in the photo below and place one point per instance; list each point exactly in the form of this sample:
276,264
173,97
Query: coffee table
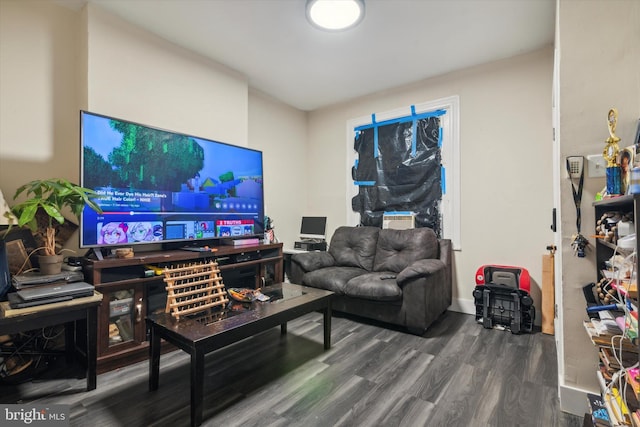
213,329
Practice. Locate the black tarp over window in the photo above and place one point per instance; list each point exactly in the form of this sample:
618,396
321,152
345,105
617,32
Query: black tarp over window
399,169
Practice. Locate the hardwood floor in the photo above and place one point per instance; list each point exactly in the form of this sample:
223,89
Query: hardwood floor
458,374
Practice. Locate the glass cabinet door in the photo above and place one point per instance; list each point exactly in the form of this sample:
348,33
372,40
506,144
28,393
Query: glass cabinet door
121,316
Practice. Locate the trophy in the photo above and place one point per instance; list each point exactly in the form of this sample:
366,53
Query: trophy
610,153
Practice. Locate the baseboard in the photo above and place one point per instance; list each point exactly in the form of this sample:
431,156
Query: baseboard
573,400
462,305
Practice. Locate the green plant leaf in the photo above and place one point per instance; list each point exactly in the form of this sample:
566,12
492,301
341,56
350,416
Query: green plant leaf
54,213
53,196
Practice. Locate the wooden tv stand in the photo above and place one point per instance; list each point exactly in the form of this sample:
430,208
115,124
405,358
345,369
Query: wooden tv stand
131,291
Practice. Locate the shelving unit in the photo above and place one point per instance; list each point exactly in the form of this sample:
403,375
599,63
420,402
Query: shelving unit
609,367
131,293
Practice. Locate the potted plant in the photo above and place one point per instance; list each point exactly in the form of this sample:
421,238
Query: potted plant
52,196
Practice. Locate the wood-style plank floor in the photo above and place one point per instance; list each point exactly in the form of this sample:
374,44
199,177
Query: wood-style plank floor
457,374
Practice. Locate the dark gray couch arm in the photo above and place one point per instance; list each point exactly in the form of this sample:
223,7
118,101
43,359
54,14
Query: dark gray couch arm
420,268
309,261
427,288
428,267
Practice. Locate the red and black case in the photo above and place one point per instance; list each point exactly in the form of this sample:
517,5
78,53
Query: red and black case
502,298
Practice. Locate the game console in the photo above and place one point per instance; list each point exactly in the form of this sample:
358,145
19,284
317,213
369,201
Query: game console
246,256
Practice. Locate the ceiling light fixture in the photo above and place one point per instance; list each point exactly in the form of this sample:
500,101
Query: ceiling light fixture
335,15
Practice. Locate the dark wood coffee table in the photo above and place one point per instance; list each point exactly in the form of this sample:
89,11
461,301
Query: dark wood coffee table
212,330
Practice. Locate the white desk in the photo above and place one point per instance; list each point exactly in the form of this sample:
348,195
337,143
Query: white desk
294,251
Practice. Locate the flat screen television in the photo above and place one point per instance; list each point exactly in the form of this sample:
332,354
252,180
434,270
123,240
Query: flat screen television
159,186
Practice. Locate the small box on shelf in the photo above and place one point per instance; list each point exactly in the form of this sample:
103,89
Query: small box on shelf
120,307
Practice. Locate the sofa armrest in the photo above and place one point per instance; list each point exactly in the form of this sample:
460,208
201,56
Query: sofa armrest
418,269
426,290
309,261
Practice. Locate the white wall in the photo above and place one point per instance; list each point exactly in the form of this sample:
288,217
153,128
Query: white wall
137,76
56,61
38,109
505,139
280,132
599,69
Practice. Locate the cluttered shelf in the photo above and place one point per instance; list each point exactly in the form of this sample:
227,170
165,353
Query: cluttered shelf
622,250
618,403
612,308
612,311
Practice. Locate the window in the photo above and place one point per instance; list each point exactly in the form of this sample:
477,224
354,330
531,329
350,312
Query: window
447,110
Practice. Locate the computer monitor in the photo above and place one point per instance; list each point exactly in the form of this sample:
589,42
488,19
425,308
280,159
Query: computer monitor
313,227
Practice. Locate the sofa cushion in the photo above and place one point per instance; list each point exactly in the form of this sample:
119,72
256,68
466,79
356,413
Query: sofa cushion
397,249
374,286
331,278
354,246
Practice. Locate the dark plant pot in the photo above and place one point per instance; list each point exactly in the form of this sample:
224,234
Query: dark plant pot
50,264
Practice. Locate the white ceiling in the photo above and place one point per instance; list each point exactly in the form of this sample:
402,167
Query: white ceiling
399,42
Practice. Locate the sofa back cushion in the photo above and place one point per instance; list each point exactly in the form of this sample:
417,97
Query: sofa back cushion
354,246
397,249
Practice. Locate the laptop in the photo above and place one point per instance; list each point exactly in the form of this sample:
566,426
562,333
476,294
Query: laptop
56,290
16,302
34,278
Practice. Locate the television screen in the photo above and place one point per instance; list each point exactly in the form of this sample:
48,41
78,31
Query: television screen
158,186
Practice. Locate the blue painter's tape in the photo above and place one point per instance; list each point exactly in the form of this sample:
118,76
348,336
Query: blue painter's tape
443,180
440,132
375,136
365,183
398,213
374,124
375,142
414,131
